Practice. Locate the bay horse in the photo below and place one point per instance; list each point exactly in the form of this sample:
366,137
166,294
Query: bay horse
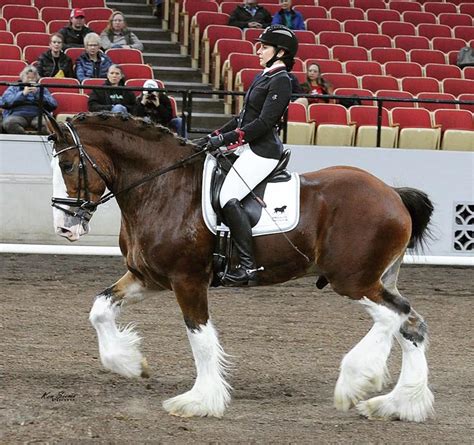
352,233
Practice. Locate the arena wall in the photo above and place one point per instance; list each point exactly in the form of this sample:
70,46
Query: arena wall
447,177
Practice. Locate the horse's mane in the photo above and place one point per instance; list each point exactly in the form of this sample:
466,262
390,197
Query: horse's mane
129,124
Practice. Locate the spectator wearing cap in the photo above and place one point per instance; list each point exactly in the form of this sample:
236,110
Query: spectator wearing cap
250,15
75,32
117,34
92,62
288,16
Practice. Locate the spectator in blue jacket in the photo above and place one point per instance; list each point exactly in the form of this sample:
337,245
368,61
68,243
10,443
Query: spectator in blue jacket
288,16
21,104
92,62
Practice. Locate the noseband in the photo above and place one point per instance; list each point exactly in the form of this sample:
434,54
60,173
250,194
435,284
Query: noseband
84,208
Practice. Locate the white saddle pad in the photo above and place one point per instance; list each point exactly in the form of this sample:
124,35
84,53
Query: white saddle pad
282,199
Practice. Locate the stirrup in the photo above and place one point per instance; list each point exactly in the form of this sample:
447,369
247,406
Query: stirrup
239,276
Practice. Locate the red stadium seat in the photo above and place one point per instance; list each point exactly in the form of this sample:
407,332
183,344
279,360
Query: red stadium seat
97,13
383,15
367,4
31,53
304,36
272,8
70,103
11,67
417,85
404,6
87,4
6,78
345,53
306,51
330,3
15,2
325,66
342,80
456,19
416,128
445,44
56,25
320,25
332,124
466,8
6,37
458,86
365,118
32,38
402,69
137,70
464,32
26,25
236,62
297,112
431,106
468,72
438,7
250,34
199,22
10,51
311,12
341,14
3,24
393,29
51,3
384,55
189,9
93,81
375,83
425,56
398,95
63,81
430,31
97,25
457,127
469,97
355,27
134,83
74,53
417,17
359,92
228,7
19,11
370,41
411,42
125,55
442,71
50,13
362,67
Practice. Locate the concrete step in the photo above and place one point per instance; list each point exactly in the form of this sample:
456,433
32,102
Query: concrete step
208,121
143,21
186,75
160,46
167,60
151,33
203,105
130,9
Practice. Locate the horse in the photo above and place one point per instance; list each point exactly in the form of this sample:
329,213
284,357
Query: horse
353,232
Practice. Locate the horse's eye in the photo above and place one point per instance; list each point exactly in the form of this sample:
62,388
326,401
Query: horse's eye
66,167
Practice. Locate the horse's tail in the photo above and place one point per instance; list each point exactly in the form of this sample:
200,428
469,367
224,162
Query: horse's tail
420,208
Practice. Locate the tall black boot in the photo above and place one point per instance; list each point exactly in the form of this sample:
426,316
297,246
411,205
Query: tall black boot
241,234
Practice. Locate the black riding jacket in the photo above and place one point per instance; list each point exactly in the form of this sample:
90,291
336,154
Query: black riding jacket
265,103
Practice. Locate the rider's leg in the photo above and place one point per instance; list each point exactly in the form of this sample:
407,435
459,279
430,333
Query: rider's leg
247,172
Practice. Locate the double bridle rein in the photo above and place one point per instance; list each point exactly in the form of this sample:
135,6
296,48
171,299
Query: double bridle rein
84,208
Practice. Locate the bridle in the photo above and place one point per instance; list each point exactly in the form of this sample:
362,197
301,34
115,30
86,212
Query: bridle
84,208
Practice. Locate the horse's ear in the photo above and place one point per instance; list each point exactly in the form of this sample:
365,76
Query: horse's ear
53,127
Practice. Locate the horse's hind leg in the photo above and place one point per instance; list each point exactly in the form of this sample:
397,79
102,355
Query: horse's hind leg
119,347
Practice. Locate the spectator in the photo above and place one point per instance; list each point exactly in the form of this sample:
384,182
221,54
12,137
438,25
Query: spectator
54,62
21,104
315,84
288,16
465,57
117,34
115,100
92,62
75,32
158,9
157,107
250,15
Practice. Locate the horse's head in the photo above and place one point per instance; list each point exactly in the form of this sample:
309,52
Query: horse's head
78,181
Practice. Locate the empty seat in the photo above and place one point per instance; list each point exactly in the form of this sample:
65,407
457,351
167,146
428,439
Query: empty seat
74,53
342,80
403,69
314,51
299,130
393,29
442,71
431,106
354,92
199,23
332,125
93,81
325,66
97,25
345,53
87,4
52,13
331,39
320,25
355,27
466,8
305,36
365,119
125,55
404,6
446,44
341,14
56,25
3,24
11,67
17,25
51,3
455,19
19,11
417,85
425,56
392,94
311,11
383,55
24,39
415,128
361,67
468,72
438,7
330,3
70,104
467,97
464,32
62,81
370,41
367,4
31,53
375,83
411,42
417,17
430,30
458,86
383,15
97,13
137,70
457,128
6,37
10,51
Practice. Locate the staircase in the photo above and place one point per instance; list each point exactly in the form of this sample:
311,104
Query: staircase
170,66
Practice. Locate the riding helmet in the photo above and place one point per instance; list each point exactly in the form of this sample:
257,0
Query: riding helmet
280,37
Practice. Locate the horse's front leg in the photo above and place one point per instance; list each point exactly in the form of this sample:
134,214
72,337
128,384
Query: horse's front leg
119,347
210,394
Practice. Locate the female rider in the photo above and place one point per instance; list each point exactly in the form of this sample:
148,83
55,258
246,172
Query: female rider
254,131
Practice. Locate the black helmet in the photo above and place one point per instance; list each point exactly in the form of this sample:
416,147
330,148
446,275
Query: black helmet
280,37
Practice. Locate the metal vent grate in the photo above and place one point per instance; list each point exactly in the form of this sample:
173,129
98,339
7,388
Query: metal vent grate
464,227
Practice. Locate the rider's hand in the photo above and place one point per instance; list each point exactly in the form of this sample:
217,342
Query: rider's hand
201,143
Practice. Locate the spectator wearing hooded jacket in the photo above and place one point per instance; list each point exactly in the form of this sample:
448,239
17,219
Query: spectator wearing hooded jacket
117,34
21,104
288,16
115,100
92,62
75,32
250,15
54,62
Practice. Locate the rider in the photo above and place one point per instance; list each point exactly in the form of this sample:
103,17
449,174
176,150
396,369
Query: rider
255,132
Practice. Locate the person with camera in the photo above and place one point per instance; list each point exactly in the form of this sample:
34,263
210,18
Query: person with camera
156,106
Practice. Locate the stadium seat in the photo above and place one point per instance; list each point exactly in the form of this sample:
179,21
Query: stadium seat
243,80
63,81
56,25
458,86
402,69
305,36
430,30
97,25
365,119
457,128
411,42
375,83
31,53
74,53
228,7
367,4
359,92
383,15
362,67
6,78
51,3
325,66
11,67
137,70
442,71
331,39
416,85
330,3
250,34
97,13
3,24
431,106
17,25
392,94
51,13
384,55
299,130
69,104
469,97
356,27
468,72
94,81
466,8
404,6
313,51
189,9
425,56
24,39
341,14
311,12
125,55
320,25
332,125
393,29
342,80
6,37
19,11
455,19
446,44
345,53
417,17
10,51
437,8
415,128
15,2
464,32
87,4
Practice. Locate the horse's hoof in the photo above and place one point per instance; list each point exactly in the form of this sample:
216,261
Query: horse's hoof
187,405
145,369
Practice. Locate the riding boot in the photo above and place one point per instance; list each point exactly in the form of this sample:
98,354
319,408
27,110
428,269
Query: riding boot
241,234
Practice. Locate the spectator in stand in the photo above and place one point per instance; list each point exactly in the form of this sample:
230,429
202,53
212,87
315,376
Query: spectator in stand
465,57
288,16
76,31
92,62
54,62
21,104
117,34
250,15
158,9
114,100
157,107
315,84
